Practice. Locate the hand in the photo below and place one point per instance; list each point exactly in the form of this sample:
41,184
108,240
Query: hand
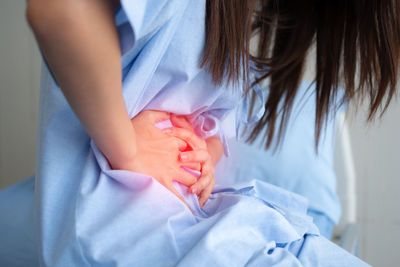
198,154
155,148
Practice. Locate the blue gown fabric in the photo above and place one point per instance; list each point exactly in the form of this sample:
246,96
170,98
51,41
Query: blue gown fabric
87,214
294,164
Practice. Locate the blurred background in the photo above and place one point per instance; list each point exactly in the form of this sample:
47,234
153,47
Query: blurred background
375,147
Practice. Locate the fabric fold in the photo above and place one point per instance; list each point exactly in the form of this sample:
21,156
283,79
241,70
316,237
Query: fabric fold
89,215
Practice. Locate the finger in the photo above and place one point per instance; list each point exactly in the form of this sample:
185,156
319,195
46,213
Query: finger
200,155
205,179
192,165
182,145
171,188
205,194
154,116
191,138
158,116
184,177
181,122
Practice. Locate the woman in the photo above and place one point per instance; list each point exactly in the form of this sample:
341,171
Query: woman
95,204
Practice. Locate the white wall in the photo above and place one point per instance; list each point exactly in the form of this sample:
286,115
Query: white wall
19,92
376,147
376,153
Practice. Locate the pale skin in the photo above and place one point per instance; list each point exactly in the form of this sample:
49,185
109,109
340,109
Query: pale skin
79,41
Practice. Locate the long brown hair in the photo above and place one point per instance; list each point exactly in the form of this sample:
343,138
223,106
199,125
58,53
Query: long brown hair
357,45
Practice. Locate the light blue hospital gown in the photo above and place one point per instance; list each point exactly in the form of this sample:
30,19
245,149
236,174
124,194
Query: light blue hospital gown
85,214
294,165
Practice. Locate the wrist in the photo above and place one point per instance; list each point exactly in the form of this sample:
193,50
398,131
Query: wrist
123,160
122,152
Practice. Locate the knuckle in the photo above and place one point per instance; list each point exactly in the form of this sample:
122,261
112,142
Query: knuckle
178,144
204,172
188,135
205,181
212,183
207,171
190,178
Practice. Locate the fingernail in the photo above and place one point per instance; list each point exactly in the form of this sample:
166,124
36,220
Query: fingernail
184,156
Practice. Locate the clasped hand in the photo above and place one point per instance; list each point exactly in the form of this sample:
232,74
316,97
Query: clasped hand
162,153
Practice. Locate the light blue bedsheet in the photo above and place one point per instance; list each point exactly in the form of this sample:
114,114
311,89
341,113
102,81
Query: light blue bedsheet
86,214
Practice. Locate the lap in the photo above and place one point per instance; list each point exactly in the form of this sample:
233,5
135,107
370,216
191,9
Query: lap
242,224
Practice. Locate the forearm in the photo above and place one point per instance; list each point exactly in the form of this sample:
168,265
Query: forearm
79,41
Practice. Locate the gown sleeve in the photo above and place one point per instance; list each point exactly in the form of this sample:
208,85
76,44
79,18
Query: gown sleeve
141,19
89,215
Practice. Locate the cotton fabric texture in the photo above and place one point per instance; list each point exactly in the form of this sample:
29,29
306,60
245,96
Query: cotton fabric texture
295,164
89,215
